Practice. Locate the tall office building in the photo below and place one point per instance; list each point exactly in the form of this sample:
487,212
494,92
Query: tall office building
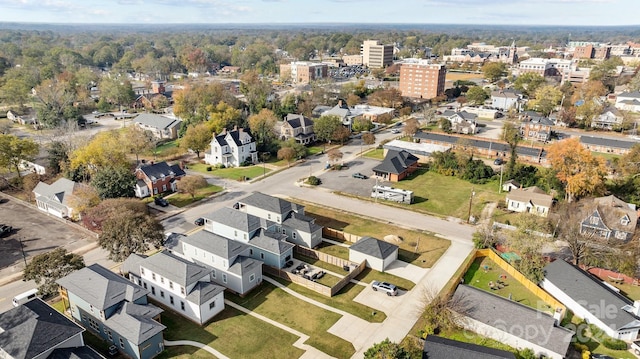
421,78
376,55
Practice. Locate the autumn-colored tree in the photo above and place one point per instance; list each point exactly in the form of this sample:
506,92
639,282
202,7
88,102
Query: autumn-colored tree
587,100
493,71
223,116
193,103
106,149
137,140
353,100
546,99
84,197
580,172
368,138
126,232
286,153
341,134
95,216
255,89
411,126
197,138
334,155
390,97
405,111
629,164
191,184
262,127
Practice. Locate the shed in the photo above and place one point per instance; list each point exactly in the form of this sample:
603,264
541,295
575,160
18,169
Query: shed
378,254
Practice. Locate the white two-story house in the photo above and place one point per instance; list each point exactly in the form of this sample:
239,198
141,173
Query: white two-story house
231,148
177,283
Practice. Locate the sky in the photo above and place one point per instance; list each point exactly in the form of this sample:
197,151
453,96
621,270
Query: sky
490,12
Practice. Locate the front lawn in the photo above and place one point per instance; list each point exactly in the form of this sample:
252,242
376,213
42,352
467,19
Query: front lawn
233,333
483,271
429,247
278,305
376,154
234,173
183,199
447,195
343,300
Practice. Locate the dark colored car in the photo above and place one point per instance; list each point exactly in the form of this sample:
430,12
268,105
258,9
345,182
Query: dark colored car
199,221
161,202
498,161
5,230
359,175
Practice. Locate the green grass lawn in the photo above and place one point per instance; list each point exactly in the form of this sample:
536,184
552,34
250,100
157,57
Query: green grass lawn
314,150
235,173
343,300
334,250
504,216
448,196
606,156
630,291
276,304
376,154
183,199
429,247
233,333
594,346
467,336
480,277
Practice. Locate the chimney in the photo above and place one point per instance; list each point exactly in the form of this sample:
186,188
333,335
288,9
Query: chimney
214,135
339,102
636,308
557,315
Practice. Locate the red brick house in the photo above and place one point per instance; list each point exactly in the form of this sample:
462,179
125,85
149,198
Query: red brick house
396,166
157,178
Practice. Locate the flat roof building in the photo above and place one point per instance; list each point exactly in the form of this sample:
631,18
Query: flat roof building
421,78
375,55
303,71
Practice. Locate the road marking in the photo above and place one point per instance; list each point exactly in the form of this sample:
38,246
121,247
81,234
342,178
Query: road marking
188,233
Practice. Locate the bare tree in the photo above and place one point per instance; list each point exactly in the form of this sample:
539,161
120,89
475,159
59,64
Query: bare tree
334,155
442,312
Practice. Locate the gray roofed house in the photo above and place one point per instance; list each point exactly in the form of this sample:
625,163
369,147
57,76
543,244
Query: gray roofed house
56,198
160,126
378,254
530,200
535,126
629,101
396,165
609,217
506,99
34,329
270,203
436,347
606,145
235,219
136,322
589,298
511,323
274,242
462,121
155,178
297,127
75,353
101,287
301,222
169,266
215,244
231,148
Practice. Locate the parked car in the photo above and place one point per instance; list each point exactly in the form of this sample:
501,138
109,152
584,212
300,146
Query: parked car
359,175
395,130
199,221
5,230
498,161
161,202
388,288
288,264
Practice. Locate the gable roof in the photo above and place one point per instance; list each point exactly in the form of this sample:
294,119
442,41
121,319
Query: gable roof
396,162
607,142
270,203
296,121
612,210
509,316
169,266
239,136
156,121
203,291
33,328
301,222
75,353
507,93
160,170
373,247
591,294
533,195
56,194
442,348
236,219
633,95
101,287
273,242
135,322
215,244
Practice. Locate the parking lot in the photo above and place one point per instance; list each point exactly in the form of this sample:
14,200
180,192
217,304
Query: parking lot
38,232
343,181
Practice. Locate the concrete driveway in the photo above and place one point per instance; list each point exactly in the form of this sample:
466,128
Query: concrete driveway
380,300
406,270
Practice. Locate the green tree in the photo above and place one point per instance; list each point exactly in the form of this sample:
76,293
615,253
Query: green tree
477,95
255,90
14,150
634,83
262,127
528,83
197,138
326,126
511,135
546,99
191,184
493,71
48,267
114,182
386,350
605,71
55,103
137,140
445,125
117,91
126,232
223,116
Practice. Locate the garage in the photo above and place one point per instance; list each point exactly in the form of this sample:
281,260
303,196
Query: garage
378,254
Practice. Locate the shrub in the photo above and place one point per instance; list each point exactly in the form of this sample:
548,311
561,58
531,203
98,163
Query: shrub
208,168
313,180
614,344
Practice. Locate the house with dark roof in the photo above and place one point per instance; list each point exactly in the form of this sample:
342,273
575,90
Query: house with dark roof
230,262
155,178
462,121
511,323
288,218
436,347
628,101
510,184
299,128
529,200
606,145
343,112
396,166
609,217
231,148
57,198
177,283
535,127
35,330
378,254
113,308
160,126
505,99
590,299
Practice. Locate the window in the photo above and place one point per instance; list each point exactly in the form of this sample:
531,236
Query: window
162,280
109,335
155,190
235,233
162,293
94,325
144,284
182,305
252,278
171,284
153,290
164,187
261,255
141,270
171,299
213,274
250,251
293,234
121,343
224,278
182,290
244,236
269,216
212,304
91,308
624,221
153,276
594,220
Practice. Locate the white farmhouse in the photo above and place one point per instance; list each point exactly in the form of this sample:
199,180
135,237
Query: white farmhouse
231,148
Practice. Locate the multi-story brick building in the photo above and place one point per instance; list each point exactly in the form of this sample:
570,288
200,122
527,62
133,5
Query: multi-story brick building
376,55
592,52
421,79
303,71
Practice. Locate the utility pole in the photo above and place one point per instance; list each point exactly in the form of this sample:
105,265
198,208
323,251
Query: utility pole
500,189
473,193
24,257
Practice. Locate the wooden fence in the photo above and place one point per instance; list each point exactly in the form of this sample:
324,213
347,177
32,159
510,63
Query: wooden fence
339,235
354,272
324,257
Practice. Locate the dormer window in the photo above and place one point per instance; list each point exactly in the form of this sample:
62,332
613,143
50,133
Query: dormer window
625,220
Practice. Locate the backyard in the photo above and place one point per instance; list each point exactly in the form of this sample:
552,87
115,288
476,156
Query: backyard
485,274
418,248
276,304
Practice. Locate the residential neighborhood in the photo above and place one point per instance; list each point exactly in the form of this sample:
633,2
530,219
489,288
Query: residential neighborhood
289,193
